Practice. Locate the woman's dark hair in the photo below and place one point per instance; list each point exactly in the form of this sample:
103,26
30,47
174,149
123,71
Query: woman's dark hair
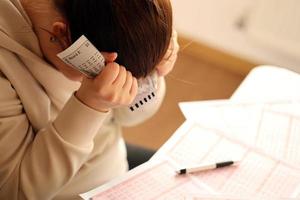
138,30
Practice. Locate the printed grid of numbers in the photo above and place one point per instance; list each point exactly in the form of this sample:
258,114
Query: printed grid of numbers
188,152
248,122
282,182
293,153
250,175
93,65
254,176
216,178
273,139
182,191
147,185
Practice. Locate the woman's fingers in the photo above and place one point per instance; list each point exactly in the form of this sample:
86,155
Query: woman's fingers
128,84
121,78
109,74
109,57
113,87
134,88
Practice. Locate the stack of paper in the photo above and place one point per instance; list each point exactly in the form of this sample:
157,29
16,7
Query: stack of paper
264,136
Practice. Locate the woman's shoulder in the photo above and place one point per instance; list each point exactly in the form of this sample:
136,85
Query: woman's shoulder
14,19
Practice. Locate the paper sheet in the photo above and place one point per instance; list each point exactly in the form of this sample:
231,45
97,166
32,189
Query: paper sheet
272,127
156,180
262,136
258,173
83,56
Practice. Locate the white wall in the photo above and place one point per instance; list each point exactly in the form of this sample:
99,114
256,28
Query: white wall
214,22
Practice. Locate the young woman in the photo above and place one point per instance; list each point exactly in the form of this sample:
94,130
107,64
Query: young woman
60,132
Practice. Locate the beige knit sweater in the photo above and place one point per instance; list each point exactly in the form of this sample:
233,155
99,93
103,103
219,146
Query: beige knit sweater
37,109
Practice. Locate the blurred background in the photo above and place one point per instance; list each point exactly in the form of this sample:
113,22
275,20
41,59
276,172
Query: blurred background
221,41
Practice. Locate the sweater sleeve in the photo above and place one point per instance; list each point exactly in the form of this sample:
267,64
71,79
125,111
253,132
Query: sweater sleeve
36,165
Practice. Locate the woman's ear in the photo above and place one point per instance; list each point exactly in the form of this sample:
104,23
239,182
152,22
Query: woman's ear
61,32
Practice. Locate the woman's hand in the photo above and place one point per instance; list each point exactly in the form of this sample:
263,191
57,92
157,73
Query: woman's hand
113,87
167,63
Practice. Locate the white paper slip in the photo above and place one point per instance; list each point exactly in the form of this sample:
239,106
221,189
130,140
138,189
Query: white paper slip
147,88
83,56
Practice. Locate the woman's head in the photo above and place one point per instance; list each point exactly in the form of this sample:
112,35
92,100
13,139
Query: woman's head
138,30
